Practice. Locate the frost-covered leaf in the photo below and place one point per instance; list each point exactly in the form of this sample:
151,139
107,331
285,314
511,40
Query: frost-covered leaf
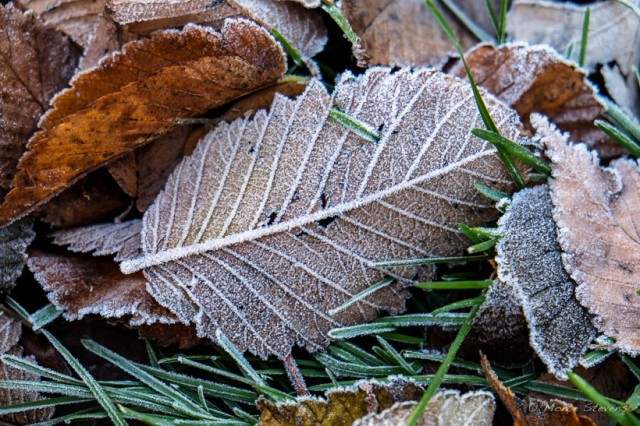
14,240
596,212
137,95
402,32
447,407
535,79
532,411
273,222
301,27
84,21
10,333
83,285
35,62
530,260
339,405
614,32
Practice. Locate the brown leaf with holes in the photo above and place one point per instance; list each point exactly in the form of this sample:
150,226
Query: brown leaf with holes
595,209
534,411
402,32
35,62
84,21
536,79
136,95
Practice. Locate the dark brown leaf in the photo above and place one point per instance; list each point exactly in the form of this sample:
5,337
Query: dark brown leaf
136,95
35,62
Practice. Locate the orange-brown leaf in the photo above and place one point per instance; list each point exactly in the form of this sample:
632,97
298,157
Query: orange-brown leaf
35,62
137,95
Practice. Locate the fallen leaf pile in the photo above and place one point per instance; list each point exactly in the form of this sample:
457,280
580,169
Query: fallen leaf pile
236,175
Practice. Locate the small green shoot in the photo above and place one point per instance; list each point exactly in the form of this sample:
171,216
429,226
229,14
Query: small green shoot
482,247
585,37
344,25
288,47
622,138
383,283
358,127
44,316
491,193
429,261
454,285
473,27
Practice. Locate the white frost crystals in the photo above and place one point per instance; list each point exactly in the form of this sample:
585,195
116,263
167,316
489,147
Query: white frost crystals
274,221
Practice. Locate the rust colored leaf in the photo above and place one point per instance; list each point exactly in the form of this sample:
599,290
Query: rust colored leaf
402,32
536,79
35,62
614,34
301,27
84,21
84,285
534,411
595,210
136,95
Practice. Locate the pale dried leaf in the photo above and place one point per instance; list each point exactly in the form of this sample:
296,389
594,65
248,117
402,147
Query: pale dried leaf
306,3
273,222
614,31
35,62
536,79
135,96
529,259
14,240
447,407
301,27
402,32
81,286
595,209
340,406
85,21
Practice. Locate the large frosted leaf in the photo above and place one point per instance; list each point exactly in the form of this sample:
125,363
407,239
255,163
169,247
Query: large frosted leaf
273,222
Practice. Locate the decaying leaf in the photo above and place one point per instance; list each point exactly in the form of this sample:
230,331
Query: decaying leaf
530,260
14,240
35,62
595,209
84,21
341,406
301,27
614,32
263,99
136,95
536,79
533,411
10,332
82,286
291,197
447,407
402,32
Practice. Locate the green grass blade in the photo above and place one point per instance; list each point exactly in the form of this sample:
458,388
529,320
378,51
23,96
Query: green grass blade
631,6
383,283
473,28
625,419
461,304
442,370
44,316
360,330
395,355
183,403
242,362
344,25
593,358
620,137
26,365
470,233
632,367
585,37
482,247
358,127
493,18
42,403
491,193
214,370
569,51
98,392
516,150
288,47
502,28
429,261
454,285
